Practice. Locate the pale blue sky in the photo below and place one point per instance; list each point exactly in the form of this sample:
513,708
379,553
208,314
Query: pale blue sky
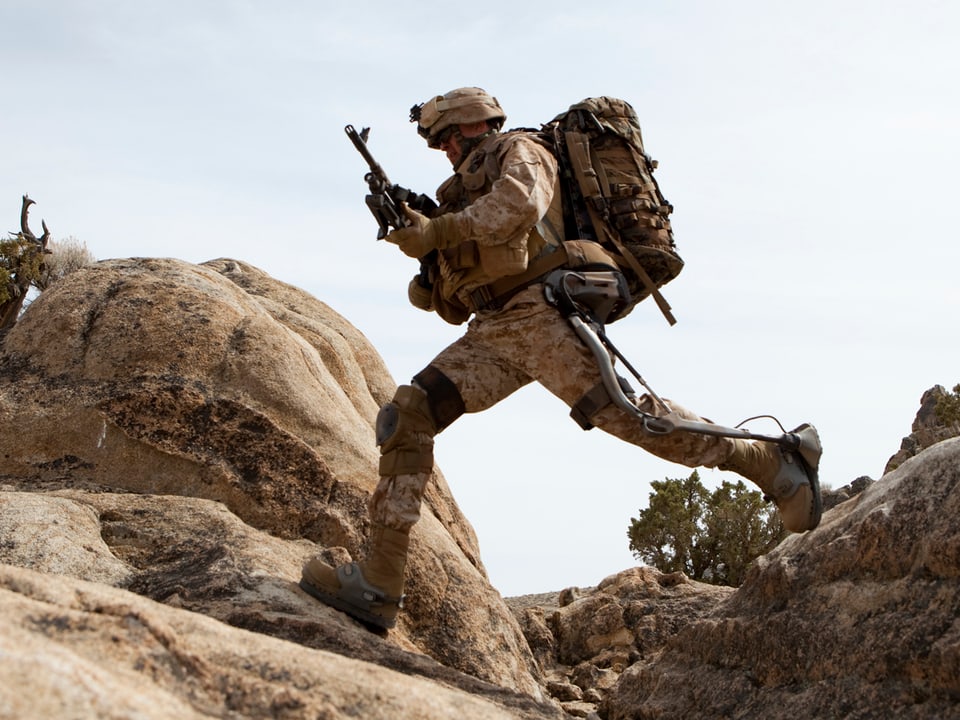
809,149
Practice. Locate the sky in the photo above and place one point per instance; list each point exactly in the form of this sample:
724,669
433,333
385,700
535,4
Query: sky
809,150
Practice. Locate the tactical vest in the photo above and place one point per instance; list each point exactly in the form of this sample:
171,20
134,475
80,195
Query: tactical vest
475,277
472,263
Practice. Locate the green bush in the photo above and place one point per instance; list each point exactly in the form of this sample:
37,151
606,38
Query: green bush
709,536
21,266
948,407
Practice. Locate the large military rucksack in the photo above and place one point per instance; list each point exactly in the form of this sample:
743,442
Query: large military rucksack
610,195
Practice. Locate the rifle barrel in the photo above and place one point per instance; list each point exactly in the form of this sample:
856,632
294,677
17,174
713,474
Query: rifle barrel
362,148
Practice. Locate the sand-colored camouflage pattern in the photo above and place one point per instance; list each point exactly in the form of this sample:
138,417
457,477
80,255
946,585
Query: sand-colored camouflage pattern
529,341
500,193
395,502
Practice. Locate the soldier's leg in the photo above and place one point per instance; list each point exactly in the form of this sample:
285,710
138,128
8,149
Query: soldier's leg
540,343
372,590
472,380
789,478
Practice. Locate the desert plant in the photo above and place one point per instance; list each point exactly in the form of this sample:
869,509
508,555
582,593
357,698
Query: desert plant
709,536
21,266
948,406
30,264
66,256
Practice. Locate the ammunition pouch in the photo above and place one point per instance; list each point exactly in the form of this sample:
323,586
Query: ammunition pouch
508,258
450,309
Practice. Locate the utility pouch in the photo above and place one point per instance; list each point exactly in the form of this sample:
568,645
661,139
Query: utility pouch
462,256
450,309
509,258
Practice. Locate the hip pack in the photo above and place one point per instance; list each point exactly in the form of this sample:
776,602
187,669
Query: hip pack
610,195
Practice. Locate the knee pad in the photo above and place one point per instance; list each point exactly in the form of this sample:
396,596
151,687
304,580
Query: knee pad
405,430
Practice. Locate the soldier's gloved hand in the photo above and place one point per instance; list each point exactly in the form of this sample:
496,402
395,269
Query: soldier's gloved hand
423,234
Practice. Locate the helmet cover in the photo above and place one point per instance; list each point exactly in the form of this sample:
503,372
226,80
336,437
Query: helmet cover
462,106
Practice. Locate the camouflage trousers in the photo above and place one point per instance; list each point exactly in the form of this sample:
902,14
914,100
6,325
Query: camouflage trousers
529,341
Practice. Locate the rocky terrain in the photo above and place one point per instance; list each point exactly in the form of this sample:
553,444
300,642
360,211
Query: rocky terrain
178,439
927,429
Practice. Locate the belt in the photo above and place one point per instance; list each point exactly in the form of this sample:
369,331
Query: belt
495,295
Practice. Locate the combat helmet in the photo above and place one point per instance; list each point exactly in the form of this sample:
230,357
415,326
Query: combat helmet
458,107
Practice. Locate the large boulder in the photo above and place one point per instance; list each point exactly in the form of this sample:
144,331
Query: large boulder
179,439
74,649
858,618
195,433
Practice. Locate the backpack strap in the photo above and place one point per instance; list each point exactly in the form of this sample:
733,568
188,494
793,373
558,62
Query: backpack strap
578,148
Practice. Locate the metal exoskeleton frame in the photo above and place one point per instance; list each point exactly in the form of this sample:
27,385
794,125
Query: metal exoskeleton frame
576,295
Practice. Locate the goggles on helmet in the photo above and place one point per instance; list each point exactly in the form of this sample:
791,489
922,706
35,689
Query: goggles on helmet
466,105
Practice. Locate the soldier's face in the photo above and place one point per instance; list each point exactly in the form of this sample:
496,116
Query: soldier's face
451,141
451,146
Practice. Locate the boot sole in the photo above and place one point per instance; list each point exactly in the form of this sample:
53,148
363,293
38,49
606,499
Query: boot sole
817,510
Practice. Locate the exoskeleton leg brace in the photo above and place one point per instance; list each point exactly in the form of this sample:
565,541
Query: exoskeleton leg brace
579,297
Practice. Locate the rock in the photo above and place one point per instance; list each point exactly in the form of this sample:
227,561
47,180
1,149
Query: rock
590,626
56,535
832,498
163,377
180,438
585,638
579,709
592,679
631,612
539,636
564,691
856,618
593,696
568,595
927,429
76,649
194,433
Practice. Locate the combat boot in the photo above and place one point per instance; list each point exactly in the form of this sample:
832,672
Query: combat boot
788,477
370,591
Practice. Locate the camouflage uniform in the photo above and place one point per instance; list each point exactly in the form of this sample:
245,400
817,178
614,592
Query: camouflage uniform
486,251
527,339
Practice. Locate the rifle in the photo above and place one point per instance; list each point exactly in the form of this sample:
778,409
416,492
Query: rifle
384,198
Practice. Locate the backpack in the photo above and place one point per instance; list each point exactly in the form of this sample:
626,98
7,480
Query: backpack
610,195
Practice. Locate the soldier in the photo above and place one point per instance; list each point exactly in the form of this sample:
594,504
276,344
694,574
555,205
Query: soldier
489,246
